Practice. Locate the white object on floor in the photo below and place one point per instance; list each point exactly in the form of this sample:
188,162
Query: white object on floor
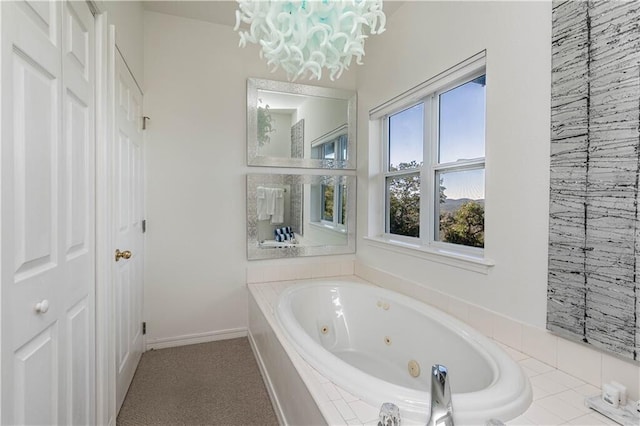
626,416
622,393
610,395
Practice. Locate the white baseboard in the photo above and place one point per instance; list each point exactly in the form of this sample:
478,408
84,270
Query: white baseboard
190,339
275,402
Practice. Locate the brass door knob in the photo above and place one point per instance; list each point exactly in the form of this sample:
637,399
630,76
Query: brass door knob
122,254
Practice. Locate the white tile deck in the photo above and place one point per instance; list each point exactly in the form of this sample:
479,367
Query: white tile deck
558,396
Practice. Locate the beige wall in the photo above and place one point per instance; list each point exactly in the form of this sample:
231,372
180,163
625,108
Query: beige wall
195,93
422,40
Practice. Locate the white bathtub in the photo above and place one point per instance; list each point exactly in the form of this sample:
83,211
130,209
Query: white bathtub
363,337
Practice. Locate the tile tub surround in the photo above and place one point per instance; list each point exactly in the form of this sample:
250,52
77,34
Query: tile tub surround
558,396
277,270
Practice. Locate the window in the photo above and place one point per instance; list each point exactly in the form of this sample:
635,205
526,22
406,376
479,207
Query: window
335,149
332,198
327,202
405,148
329,205
434,165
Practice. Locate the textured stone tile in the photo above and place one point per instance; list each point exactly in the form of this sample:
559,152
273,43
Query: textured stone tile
594,232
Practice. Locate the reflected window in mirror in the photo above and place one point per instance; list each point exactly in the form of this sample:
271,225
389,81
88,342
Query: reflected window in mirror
328,194
296,125
330,205
300,215
332,147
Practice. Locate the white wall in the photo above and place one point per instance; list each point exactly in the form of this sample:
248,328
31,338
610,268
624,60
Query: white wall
321,115
280,140
426,38
195,93
128,17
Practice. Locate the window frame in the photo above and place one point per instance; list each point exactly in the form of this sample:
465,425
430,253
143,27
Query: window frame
338,138
398,173
431,167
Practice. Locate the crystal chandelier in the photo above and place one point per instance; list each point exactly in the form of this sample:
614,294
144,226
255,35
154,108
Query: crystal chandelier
305,36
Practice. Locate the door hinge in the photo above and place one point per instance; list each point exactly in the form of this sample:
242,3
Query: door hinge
144,225
144,328
144,122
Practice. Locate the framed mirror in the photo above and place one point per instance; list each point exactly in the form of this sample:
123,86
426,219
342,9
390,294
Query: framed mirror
292,215
297,125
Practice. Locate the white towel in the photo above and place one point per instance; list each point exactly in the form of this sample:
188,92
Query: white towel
261,204
277,216
270,196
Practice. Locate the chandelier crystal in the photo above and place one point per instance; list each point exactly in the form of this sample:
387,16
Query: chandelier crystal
303,37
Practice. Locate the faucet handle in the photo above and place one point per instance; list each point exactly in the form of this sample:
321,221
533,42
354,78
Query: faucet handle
389,415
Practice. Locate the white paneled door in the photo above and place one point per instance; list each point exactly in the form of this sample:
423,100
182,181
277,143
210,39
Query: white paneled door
47,213
128,186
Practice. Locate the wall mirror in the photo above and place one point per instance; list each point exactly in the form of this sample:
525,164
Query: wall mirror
300,215
297,125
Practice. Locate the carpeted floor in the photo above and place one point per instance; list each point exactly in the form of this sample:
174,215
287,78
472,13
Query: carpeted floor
215,383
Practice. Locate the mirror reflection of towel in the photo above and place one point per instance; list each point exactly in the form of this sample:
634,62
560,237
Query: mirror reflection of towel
261,204
270,204
277,216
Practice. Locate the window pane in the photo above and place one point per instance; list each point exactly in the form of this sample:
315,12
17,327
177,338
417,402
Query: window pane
404,205
461,207
343,147
327,202
329,150
406,138
462,119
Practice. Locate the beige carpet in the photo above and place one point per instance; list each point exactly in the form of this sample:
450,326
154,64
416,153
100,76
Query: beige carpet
215,383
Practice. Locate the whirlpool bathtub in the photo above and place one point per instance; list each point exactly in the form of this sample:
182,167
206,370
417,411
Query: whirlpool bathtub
380,346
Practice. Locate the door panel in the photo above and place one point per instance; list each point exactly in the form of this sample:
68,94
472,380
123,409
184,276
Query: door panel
35,167
79,363
36,378
128,227
78,63
47,220
43,15
78,208
123,283
122,176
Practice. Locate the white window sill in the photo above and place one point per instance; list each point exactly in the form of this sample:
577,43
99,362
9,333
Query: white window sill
447,257
330,228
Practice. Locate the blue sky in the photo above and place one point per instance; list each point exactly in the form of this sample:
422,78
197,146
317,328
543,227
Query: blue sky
462,130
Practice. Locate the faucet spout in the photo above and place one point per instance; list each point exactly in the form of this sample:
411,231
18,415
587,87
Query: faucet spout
441,407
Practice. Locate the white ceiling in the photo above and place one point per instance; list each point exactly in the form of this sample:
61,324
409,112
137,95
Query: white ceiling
220,12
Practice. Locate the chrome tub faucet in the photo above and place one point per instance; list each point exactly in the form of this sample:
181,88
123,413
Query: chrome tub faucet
441,407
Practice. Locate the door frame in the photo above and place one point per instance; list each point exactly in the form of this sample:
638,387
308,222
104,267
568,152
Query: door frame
106,51
105,332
